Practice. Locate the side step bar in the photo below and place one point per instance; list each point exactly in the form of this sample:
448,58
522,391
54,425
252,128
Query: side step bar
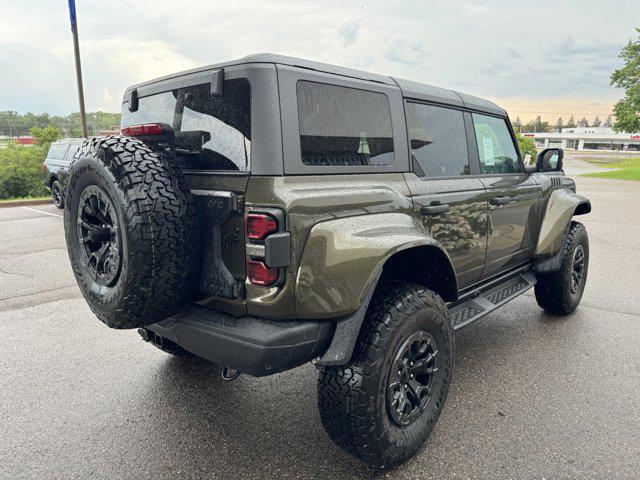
486,301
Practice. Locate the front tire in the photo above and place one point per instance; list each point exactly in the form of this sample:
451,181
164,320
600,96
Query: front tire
382,406
560,292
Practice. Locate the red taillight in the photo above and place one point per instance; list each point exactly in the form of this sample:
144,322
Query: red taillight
259,225
260,274
142,130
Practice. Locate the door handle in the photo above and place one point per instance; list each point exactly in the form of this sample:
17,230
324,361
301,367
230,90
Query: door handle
500,200
434,209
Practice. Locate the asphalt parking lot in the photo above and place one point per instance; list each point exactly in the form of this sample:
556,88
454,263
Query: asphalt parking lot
534,396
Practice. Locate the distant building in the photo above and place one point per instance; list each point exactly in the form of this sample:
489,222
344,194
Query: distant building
25,140
587,138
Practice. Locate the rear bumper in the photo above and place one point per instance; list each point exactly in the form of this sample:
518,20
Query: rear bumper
252,345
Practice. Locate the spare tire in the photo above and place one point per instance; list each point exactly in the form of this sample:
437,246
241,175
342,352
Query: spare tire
131,228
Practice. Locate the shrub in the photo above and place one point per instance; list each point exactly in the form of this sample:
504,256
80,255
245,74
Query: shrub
21,171
527,146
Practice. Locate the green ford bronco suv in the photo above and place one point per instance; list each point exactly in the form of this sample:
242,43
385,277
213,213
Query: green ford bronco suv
271,211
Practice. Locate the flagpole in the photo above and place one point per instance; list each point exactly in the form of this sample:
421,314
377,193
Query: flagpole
76,51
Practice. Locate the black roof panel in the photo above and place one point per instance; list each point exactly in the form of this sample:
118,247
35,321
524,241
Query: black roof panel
416,90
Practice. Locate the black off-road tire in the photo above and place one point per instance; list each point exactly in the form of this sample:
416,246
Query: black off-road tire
352,399
156,231
57,193
554,290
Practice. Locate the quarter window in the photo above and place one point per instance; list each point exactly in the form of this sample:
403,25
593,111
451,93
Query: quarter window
342,126
495,146
438,140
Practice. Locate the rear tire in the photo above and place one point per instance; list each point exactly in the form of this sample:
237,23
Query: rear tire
560,292
56,193
130,229
366,407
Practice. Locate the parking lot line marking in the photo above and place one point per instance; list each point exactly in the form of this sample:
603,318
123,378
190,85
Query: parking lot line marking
46,213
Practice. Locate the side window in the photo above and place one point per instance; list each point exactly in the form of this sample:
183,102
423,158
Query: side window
495,146
342,126
438,140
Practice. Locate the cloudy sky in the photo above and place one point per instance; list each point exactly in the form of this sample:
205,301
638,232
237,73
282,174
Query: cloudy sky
532,57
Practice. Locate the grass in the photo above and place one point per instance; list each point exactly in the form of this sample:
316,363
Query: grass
7,200
624,170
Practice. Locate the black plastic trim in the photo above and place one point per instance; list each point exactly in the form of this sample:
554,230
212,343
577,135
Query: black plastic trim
252,345
277,250
345,336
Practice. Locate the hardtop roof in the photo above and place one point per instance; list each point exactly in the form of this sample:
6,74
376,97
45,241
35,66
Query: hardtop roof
410,89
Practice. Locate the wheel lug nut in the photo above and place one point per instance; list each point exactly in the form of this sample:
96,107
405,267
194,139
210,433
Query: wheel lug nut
411,376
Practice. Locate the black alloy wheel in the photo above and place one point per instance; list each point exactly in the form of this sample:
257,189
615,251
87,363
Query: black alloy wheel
56,193
577,270
99,235
411,377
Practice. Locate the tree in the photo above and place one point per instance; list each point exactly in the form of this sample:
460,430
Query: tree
527,147
627,110
571,123
46,135
517,125
596,122
559,124
583,122
607,122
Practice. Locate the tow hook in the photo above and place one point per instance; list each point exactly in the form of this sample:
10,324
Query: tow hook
230,374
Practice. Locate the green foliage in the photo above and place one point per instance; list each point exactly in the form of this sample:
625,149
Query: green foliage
21,171
15,124
537,125
583,122
571,123
596,122
628,169
559,125
627,110
517,125
527,147
45,136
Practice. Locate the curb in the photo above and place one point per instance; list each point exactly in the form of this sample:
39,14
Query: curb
25,202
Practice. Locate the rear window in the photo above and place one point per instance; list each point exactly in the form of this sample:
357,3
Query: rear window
211,132
72,151
56,151
342,126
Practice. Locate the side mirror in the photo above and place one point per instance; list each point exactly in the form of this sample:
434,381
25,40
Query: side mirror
550,160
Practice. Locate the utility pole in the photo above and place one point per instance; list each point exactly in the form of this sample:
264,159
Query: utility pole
76,51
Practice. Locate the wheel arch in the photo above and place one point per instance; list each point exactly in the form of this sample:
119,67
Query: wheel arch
562,206
428,265
343,260
583,207
400,265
